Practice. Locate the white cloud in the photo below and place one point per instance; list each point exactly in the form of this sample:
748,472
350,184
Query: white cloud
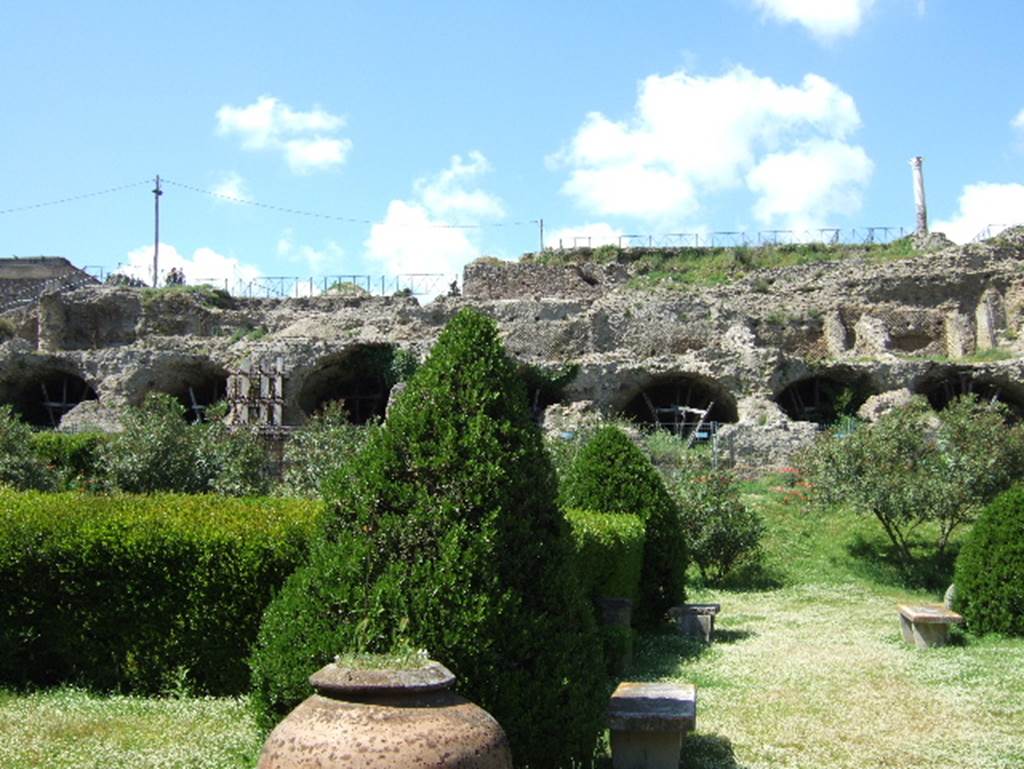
585,235
692,136
308,140
981,205
1018,122
413,236
205,265
408,241
825,19
446,194
232,187
801,189
307,155
317,261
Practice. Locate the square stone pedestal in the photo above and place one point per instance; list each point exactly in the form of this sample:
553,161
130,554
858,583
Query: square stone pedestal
927,625
696,620
647,723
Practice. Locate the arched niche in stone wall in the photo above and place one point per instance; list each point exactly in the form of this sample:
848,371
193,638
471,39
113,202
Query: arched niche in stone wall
545,386
360,377
822,398
196,385
679,403
42,395
945,385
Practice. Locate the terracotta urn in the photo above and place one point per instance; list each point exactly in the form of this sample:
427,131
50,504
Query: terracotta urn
386,719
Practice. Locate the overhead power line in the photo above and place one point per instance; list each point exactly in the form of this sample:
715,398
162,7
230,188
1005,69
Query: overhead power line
338,218
73,198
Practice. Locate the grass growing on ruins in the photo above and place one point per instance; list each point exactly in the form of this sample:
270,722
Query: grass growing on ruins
686,267
214,297
809,670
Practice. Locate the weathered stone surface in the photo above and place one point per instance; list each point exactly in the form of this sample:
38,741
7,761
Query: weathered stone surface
927,625
959,335
949,598
871,336
990,319
391,719
837,338
653,707
769,445
856,321
696,620
647,722
879,405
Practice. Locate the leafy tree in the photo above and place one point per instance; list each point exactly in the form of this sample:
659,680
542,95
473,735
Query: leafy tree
444,534
720,529
914,467
611,475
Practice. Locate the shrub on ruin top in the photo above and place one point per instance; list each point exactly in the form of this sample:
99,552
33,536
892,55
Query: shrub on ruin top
990,568
444,534
611,475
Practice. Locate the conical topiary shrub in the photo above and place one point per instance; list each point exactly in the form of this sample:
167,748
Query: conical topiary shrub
443,533
990,568
611,475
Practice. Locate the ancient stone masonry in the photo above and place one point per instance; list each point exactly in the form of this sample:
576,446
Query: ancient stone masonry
770,357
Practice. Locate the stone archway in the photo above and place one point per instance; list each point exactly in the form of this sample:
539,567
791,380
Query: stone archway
359,378
944,386
680,403
42,396
822,398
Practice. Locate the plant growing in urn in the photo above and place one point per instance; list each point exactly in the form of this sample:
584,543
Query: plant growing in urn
443,533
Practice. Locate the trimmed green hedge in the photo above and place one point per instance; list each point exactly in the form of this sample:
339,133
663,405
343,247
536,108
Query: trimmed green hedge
609,552
612,475
990,569
127,592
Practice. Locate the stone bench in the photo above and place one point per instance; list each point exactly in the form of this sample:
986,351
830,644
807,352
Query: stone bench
647,723
696,620
927,625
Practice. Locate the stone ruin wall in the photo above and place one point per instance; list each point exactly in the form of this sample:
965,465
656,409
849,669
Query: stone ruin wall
764,349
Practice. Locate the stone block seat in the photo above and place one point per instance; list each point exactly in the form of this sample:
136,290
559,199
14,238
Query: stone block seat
696,619
647,723
927,625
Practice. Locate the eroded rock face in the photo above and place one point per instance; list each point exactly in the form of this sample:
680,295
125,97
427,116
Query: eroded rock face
879,405
767,354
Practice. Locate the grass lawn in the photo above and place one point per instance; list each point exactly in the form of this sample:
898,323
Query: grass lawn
809,670
815,674
70,728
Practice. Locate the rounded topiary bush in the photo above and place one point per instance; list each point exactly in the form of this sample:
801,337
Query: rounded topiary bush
612,475
990,569
444,533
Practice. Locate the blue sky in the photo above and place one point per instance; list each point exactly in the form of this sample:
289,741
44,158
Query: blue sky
600,118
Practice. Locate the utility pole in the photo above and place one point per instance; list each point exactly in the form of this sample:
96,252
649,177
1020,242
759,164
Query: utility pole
157,192
541,222
922,210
